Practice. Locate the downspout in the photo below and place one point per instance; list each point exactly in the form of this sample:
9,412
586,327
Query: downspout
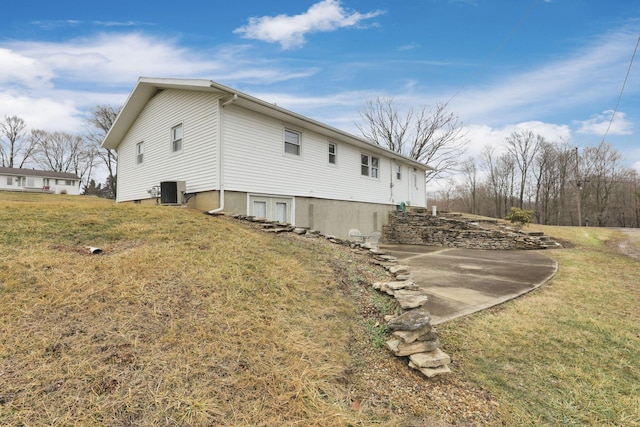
220,154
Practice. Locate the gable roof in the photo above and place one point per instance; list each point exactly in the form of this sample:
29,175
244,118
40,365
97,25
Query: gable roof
146,88
38,173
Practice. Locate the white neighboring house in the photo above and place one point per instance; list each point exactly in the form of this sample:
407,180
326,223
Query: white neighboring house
218,149
21,179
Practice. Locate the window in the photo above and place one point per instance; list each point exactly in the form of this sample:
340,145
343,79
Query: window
364,165
369,165
139,152
415,178
291,142
9,180
176,138
398,172
68,182
332,153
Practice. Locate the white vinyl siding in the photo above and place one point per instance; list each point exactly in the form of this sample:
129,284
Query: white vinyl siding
254,163
197,165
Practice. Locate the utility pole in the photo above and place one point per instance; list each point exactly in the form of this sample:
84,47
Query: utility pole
579,188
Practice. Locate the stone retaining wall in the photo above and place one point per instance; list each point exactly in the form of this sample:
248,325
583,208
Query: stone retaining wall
409,228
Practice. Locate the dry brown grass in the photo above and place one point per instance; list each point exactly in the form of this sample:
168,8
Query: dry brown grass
183,320
192,320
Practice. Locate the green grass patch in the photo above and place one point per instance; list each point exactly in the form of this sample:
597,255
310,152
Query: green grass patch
569,352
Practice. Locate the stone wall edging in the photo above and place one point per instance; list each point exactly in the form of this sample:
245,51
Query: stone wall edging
412,334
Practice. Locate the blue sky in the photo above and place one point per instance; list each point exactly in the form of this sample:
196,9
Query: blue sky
555,67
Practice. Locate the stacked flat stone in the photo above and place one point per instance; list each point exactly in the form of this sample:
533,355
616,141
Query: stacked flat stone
414,336
412,332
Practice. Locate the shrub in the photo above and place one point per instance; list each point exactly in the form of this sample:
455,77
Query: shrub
520,217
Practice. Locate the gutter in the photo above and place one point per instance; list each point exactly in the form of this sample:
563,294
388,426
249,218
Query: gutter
220,157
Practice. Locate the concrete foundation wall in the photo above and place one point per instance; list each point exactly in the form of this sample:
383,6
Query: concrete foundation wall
330,217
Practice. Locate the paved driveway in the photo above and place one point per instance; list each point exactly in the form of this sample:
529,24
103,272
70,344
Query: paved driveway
463,281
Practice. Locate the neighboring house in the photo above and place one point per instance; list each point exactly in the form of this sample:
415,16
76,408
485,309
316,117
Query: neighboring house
20,179
238,154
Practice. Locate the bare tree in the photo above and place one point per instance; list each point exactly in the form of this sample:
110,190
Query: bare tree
470,185
523,147
431,136
15,149
63,152
99,123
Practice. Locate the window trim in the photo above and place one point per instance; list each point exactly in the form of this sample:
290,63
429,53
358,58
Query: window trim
332,155
286,143
140,153
398,172
174,140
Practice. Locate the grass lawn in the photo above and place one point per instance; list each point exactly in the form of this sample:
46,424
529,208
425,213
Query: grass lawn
187,319
567,353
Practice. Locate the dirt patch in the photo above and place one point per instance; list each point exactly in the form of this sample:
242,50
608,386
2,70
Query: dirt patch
629,245
382,383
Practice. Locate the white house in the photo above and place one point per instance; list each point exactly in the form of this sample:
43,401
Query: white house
21,179
224,150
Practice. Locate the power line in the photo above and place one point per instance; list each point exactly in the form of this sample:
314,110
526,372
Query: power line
626,77
504,42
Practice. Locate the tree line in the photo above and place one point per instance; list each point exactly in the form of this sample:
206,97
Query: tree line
562,184
77,153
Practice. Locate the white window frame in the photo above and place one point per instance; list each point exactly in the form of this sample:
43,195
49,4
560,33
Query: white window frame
292,147
177,144
333,153
398,172
369,166
9,180
140,153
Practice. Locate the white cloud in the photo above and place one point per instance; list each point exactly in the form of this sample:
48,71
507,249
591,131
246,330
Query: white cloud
20,69
410,46
42,112
590,77
290,31
50,84
601,124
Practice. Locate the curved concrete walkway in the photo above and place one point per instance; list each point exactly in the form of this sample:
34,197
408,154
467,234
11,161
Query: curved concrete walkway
463,281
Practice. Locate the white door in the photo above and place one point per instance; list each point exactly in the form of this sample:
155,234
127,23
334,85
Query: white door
272,208
259,209
281,212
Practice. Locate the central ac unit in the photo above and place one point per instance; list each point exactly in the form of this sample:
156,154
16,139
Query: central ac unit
172,192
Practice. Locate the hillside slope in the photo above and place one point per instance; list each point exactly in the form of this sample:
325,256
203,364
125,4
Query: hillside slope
186,319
